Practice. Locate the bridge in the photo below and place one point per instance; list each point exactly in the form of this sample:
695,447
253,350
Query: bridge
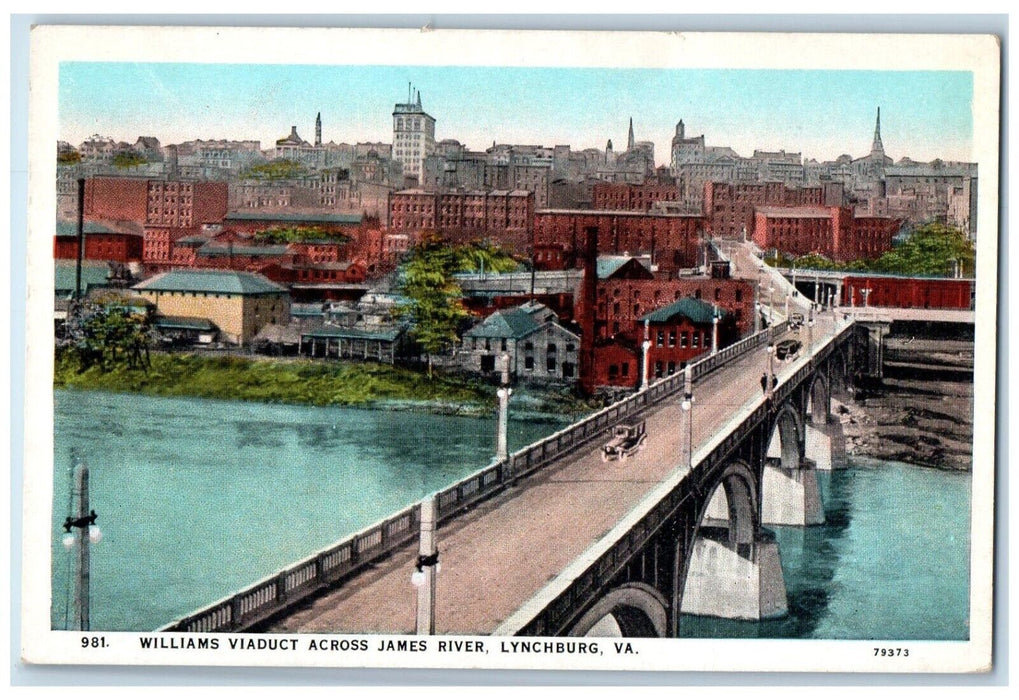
553,541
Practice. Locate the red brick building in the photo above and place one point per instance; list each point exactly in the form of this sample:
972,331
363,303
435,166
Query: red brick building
671,240
501,216
101,243
170,203
829,231
622,303
612,313
907,292
729,207
167,209
623,197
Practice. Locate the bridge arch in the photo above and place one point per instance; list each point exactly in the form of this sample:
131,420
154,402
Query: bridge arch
818,400
838,371
631,610
732,571
785,439
733,504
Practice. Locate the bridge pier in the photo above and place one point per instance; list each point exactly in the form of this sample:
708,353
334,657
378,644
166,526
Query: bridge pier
826,444
793,496
734,581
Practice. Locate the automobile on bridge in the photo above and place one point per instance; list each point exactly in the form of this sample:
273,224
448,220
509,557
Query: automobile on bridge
788,349
626,440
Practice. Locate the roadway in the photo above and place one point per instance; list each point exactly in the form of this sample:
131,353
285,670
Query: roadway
498,555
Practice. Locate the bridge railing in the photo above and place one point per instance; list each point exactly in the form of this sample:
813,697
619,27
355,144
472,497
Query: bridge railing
562,599
275,593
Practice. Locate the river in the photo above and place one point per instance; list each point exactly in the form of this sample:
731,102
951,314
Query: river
198,498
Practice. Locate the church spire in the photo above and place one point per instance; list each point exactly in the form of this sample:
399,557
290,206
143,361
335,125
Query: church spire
630,143
877,146
318,129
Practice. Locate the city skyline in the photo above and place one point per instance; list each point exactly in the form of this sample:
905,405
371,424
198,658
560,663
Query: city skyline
821,114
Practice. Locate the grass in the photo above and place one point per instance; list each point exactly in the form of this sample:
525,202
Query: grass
293,381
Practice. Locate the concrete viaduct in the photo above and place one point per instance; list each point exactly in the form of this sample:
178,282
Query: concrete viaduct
553,541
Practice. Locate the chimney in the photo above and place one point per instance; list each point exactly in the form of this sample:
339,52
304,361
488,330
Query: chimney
589,299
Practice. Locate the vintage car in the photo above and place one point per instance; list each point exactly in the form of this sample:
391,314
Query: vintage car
626,440
795,321
787,349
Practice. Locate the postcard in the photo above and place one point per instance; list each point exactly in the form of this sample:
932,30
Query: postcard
511,349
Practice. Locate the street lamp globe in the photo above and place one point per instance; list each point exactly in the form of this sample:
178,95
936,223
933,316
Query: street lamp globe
95,535
417,579
67,540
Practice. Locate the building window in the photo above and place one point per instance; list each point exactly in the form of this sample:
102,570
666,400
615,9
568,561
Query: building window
626,369
696,339
661,338
672,338
684,339
528,362
658,369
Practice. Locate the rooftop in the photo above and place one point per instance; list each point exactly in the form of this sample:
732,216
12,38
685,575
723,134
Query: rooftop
796,212
291,217
508,323
696,310
217,281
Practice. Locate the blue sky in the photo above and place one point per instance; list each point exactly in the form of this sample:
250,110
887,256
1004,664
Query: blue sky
924,114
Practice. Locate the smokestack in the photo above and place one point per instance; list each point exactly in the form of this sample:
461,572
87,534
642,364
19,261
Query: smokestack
81,240
589,298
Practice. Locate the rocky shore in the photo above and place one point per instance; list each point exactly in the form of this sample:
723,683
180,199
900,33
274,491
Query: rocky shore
922,411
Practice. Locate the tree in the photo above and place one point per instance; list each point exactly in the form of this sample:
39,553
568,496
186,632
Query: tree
128,159
476,257
434,300
106,335
68,157
932,249
279,169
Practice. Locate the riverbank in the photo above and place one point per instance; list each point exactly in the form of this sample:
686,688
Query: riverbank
926,422
310,382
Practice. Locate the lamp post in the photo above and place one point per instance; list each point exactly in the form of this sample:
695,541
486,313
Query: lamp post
504,392
771,367
810,331
644,348
771,305
88,533
714,329
427,567
686,456
787,306
866,295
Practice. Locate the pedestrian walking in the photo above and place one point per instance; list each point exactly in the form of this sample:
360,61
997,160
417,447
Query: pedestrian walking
764,383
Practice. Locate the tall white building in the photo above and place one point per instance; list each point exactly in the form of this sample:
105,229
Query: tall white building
413,135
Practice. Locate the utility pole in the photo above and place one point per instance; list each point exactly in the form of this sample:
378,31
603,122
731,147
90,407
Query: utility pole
427,567
84,519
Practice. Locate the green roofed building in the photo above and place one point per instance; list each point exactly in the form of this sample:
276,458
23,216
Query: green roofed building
239,304
537,347
682,330
93,276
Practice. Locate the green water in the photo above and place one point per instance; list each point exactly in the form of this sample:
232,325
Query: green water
199,498
890,562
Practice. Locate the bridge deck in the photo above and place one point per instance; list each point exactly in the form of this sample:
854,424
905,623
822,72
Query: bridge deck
497,556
